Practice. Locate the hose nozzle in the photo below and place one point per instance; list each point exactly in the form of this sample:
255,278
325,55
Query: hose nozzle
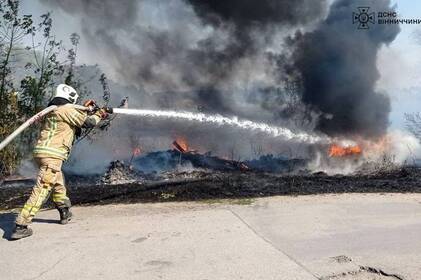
109,110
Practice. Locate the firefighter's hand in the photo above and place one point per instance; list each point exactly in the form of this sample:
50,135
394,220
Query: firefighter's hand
102,113
91,104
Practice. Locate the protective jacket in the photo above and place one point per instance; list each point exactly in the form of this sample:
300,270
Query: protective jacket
58,131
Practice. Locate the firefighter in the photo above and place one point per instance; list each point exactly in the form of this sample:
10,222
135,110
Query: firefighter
53,147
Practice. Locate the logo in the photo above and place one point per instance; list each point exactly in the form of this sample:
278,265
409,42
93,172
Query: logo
363,17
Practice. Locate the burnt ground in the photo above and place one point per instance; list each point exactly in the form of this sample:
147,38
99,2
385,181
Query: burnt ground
205,185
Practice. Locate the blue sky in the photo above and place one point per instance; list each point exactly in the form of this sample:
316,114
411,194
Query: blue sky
400,65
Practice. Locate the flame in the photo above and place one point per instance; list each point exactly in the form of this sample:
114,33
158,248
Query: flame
340,151
181,144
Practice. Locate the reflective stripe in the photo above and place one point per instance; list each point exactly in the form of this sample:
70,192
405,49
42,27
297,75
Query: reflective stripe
59,196
27,207
32,209
77,118
42,196
52,151
51,130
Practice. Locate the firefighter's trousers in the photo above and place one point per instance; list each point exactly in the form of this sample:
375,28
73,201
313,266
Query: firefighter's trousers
50,180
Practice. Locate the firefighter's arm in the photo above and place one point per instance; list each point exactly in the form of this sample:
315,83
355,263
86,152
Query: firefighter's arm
73,116
81,118
93,120
97,114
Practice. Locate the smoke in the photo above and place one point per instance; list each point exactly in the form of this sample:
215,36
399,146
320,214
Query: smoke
246,14
279,62
107,14
390,152
215,51
337,66
252,25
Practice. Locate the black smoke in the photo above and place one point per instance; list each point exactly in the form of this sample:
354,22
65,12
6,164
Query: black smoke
218,56
253,24
246,14
232,57
201,50
337,66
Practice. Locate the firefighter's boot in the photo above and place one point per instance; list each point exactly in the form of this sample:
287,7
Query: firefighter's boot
65,215
20,232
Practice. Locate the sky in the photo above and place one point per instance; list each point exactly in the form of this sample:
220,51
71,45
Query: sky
399,63
400,66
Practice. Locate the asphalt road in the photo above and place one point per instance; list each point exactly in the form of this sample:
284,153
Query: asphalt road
350,236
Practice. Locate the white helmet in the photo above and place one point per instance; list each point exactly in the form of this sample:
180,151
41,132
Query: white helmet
67,92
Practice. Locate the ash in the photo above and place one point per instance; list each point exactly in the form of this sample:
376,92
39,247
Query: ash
176,176
188,174
120,173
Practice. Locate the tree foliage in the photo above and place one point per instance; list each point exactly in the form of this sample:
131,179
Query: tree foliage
29,74
13,28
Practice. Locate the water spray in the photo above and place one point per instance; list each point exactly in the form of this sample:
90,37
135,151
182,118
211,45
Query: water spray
274,131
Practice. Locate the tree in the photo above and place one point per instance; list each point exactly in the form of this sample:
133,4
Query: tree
29,74
40,78
13,28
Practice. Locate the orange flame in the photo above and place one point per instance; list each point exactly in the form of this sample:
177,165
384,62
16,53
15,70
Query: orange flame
181,144
339,151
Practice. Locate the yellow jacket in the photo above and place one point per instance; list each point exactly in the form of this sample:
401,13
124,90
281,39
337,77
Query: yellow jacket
58,132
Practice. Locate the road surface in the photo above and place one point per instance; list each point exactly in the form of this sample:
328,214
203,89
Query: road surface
349,236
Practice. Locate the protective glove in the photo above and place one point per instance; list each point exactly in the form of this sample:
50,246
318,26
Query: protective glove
102,113
91,104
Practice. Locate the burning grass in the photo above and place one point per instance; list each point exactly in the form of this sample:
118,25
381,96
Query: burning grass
210,178
237,185
340,151
185,174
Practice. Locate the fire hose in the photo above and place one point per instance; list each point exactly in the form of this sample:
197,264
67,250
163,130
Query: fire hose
34,119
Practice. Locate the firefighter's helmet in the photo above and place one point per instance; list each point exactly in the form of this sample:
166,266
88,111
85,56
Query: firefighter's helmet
67,92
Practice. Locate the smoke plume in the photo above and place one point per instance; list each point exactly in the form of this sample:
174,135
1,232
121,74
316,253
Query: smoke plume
337,66
246,14
216,53
238,57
